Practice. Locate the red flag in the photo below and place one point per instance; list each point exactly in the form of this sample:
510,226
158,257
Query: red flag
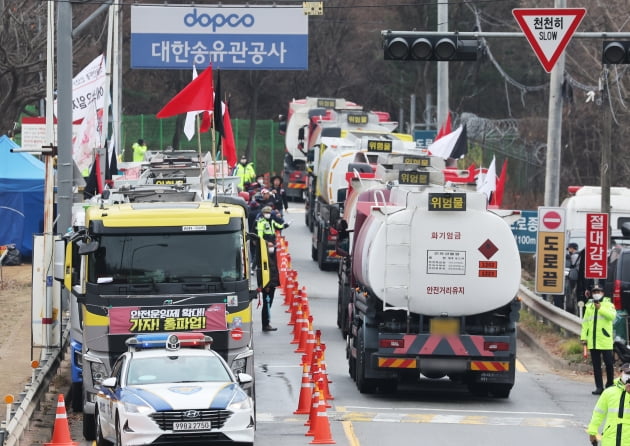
445,129
497,197
196,96
229,145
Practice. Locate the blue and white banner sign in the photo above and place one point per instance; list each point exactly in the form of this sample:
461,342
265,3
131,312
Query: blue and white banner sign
231,38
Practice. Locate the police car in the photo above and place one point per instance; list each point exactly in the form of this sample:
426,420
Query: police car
173,388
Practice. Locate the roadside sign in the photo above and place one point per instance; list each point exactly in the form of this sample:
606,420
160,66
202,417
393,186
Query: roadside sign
424,138
550,250
232,38
596,265
548,31
525,230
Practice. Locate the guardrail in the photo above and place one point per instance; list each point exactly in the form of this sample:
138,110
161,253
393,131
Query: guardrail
549,312
30,399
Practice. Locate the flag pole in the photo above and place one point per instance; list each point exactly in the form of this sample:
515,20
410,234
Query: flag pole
201,164
214,163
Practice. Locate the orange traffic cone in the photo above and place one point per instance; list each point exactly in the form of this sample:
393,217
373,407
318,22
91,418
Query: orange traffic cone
306,328
306,389
321,431
61,430
312,417
297,327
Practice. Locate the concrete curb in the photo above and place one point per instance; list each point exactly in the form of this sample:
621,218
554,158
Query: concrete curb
558,363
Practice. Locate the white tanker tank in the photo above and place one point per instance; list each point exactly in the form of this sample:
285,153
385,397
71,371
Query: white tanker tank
415,254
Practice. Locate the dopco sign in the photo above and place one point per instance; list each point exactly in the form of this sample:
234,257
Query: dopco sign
232,38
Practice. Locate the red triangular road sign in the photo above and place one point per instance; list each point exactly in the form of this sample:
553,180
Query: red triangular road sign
549,30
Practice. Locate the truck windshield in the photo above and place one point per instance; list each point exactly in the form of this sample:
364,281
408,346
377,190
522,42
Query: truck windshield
168,258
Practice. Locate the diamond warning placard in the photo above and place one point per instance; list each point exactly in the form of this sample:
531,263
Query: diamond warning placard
549,31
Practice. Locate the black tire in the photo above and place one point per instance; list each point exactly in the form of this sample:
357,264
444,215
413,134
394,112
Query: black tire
480,390
321,262
352,363
118,441
100,440
313,253
388,385
89,427
364,384
76,397
501,390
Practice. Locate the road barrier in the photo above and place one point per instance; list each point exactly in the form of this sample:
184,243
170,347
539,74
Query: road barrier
553,315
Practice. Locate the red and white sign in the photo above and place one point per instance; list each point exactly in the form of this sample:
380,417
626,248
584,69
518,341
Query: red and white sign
596,252
550,250
549,31
551,219
237,333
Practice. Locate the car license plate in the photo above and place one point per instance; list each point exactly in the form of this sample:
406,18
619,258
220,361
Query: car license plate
444,326
191,425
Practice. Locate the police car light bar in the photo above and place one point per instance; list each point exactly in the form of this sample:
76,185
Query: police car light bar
170,341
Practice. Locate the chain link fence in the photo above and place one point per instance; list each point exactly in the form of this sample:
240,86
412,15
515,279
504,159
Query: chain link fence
267,152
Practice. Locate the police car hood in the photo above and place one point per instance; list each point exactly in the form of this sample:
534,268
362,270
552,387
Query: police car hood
180,396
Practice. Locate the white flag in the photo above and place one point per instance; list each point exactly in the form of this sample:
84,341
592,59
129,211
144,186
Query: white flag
489,182
189,124
444,146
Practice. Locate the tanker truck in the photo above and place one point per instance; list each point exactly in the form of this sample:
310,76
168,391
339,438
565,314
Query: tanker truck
428,285
297,128
354,155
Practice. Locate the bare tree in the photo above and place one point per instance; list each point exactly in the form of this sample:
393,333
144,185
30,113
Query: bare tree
22,58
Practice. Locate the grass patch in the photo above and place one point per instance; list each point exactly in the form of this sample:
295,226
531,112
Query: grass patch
555,342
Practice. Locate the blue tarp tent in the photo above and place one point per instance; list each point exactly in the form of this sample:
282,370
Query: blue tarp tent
21,197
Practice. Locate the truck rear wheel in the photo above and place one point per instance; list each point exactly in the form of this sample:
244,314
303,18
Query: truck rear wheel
89,426
76,397
501,390
365,385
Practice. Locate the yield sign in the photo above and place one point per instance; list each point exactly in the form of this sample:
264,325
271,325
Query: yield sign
549,30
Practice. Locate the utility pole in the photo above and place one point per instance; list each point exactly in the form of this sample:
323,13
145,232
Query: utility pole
554,129
606,143
442,68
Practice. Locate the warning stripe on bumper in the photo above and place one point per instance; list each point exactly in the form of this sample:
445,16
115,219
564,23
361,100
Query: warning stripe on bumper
490,366
398,363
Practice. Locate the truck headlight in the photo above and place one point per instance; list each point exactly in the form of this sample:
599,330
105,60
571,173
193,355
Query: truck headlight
99,372
239,365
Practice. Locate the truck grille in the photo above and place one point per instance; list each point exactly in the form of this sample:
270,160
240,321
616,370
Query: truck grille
166,419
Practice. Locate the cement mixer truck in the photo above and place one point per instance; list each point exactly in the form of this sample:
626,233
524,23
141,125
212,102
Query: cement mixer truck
428,286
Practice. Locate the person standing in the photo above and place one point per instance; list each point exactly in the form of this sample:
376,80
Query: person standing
139,150
279,194
572,265
266,228
597,336
245,171
613,410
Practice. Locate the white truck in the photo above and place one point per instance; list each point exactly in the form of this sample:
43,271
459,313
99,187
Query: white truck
428,285
588,199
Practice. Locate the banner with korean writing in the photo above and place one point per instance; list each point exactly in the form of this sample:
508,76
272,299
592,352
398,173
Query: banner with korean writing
550,250
124,320
238,37
596,265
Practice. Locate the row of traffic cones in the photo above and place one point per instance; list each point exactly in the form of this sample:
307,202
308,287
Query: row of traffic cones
314,389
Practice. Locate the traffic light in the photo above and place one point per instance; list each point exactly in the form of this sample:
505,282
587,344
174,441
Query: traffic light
415,46
616,52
